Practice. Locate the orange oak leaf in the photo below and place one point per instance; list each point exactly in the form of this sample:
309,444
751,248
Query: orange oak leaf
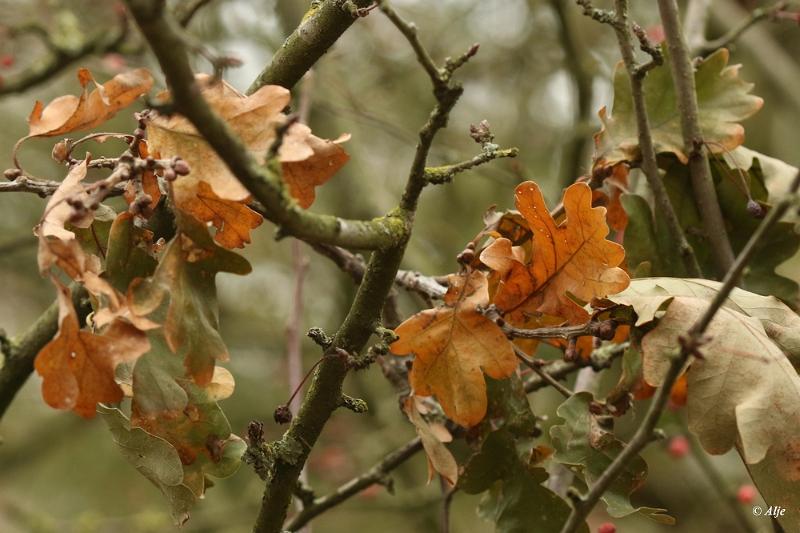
307,161
609,197
569,262
303,172
233,220
453,346
72,113
78,366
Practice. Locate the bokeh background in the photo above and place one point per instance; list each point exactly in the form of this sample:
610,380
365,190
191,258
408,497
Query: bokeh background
542,73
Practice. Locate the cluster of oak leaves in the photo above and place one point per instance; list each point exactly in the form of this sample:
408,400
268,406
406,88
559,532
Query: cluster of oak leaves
152,335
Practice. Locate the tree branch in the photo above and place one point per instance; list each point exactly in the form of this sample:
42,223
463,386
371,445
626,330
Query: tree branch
263,184
59,58
621,24
690,344
325,391
376,474
705,195
320,29
704,48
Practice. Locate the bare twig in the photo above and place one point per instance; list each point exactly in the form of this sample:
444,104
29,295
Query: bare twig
681,247
446,173
705,194
537,368
376,474
704,48
690,344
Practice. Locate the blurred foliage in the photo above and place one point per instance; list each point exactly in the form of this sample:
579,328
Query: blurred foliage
60,473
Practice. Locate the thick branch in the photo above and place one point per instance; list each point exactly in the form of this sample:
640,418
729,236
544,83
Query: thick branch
21,351
690,345
705,195
264,185
320,29
325,391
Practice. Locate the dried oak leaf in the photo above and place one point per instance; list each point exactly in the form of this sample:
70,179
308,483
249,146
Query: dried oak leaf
58,212
233,220
307,160
723,100
78,366
439,457
72,113
568,261
454,345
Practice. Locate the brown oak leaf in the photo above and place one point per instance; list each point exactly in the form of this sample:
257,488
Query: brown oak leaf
72,113
453,346
78,366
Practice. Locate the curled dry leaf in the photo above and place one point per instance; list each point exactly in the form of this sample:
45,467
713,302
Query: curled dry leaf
78,366
307,161
453,346
439,457
72,113
568,261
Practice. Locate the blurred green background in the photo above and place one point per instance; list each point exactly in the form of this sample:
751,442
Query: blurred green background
61,473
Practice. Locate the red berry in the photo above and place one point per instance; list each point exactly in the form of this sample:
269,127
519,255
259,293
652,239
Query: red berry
678,446
746,494
7,61
606,527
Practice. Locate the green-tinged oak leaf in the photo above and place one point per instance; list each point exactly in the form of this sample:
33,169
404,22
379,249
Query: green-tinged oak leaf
454,345
154,458
733,187
588,449
185,277
168,404
723,99
650,296
516,501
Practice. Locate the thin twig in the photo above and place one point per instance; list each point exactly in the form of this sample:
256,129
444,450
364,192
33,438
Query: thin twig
755,16
376,474
681,247
537,367
705,195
